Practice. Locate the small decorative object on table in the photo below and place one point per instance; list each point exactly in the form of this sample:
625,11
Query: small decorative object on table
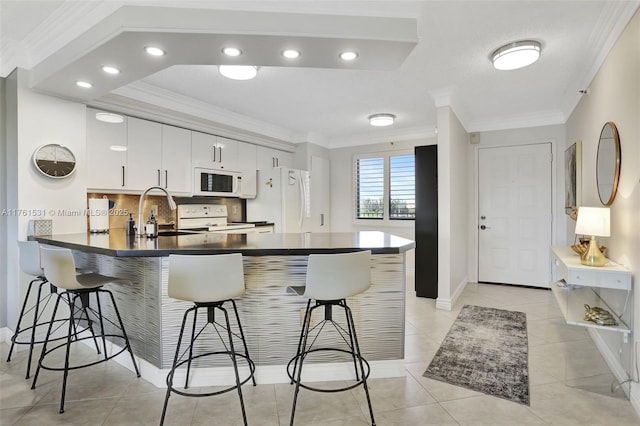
598,315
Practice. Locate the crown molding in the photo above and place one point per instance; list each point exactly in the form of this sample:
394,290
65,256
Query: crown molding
542,118
369,138
612,22
64,25
152,102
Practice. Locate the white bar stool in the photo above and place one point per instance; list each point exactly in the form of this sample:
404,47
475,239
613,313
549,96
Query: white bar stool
209,281
59,267
331,278
30,265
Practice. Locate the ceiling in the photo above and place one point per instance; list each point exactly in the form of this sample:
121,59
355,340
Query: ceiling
417,56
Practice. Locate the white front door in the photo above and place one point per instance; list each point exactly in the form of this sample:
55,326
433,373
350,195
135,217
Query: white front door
514,214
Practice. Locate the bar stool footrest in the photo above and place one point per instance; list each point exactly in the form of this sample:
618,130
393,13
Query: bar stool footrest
89,364
252,370
14,338
346,388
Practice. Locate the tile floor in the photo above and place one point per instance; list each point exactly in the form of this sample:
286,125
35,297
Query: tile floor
108,394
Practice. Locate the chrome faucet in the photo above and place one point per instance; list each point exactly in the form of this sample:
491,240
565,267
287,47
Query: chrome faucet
172,205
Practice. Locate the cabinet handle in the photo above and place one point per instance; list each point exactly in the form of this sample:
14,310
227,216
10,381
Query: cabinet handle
158,177
166,178
214,153
220,159
321,219
123,176
277,162
273,161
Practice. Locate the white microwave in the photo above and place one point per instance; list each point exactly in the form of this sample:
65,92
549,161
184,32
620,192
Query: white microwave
218,183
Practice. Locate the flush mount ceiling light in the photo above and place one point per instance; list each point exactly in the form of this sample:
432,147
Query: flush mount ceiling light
238,72
516,55
232,51
84,84
291,54
380,120
109,117
118,148
348,55
110,70
154,51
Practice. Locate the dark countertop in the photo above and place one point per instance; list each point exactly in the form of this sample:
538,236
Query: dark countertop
117,244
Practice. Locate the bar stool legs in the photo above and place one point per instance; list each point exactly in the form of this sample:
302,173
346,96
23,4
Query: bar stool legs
23,311
230,351
72,296
359,362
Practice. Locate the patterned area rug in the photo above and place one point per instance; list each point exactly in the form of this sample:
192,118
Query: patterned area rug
485,350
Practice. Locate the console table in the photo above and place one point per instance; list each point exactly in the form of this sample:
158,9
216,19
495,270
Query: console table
574,285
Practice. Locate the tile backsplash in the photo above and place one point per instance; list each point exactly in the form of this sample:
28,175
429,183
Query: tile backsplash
128,203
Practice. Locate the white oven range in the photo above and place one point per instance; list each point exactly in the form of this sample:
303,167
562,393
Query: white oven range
205,218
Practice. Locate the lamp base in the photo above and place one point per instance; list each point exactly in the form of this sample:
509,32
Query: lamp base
593,256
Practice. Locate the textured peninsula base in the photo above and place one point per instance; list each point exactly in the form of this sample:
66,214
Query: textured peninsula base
485,350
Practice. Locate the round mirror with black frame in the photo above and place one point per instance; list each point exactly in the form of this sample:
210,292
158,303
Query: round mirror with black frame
608,163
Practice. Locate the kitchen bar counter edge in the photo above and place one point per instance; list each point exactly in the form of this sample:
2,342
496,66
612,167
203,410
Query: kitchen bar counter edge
117,244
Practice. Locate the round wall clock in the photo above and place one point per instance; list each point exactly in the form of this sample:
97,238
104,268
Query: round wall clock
53,160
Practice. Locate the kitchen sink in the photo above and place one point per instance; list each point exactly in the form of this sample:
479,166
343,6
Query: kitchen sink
174,233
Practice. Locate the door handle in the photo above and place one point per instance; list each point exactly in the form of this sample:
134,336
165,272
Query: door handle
484,227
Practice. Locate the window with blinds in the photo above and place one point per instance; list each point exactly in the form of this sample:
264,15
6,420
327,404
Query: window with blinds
402,187
370,188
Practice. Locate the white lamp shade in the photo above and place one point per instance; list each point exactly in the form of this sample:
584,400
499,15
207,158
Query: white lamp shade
593,221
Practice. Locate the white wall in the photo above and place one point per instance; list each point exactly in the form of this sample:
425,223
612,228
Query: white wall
40,120
3,201
614,95
453,232
553,134
342,197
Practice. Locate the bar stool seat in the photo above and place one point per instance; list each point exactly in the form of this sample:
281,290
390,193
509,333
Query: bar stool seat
209,281
330,280
59,267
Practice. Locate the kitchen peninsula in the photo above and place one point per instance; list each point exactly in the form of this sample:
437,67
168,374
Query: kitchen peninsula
270,315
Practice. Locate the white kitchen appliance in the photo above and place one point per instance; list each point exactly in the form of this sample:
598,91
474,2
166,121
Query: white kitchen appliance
203,218
219,183
283,197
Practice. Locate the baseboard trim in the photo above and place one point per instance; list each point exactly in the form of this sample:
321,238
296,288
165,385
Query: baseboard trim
266,374
5,335
447,304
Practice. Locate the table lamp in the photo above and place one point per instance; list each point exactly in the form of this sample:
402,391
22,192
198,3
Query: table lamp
593,221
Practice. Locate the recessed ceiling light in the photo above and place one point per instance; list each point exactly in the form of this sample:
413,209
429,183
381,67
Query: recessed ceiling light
348,55
84,84
154,51
232,51
291,54
238,72
109,117
110,70
384,119
516,55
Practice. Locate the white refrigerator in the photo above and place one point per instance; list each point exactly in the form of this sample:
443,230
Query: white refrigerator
283,197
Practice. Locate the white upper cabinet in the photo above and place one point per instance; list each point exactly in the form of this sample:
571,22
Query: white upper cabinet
106,153
247,165
176,170
144,154
267,158
214,152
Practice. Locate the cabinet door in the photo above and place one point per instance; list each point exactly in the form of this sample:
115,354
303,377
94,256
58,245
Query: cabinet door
176,159
268,158
203,150
247,165
227,154
106,153
144,154
320,194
